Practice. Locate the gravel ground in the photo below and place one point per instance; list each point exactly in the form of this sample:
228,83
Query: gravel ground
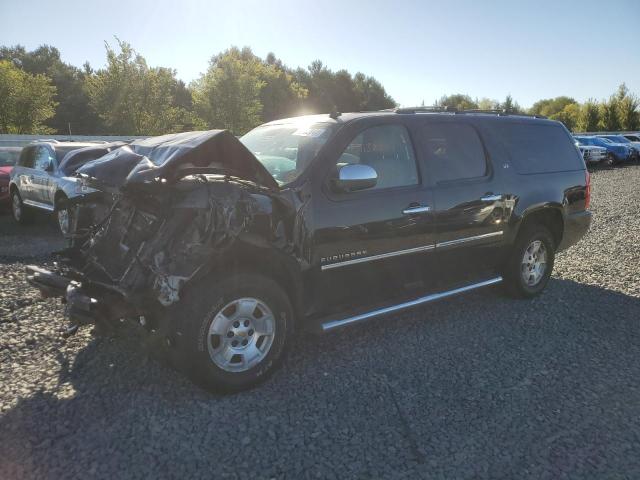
480,386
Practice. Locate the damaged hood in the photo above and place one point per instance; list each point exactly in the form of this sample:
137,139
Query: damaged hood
171,157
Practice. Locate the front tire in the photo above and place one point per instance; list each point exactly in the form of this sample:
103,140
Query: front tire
232,334
19,211
63,216
531,262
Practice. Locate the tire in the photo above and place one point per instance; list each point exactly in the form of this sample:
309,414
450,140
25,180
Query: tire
610,161
206,352
63,215
20,213
519,267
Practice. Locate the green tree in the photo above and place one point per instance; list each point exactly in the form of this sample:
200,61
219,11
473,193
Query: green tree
569,115
589,117
73,112
488,104
458,101
551,106
228,94
608,115
371,94
134,99
26,101
509,105
627,105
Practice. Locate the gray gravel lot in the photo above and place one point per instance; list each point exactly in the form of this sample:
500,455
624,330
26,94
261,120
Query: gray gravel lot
480,386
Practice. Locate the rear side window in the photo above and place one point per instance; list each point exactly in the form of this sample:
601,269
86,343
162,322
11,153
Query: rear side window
27,157
454,151
539,148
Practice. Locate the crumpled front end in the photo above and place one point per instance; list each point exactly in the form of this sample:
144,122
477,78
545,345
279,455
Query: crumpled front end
136,245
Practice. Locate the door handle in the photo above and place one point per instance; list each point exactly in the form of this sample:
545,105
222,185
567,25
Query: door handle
416,209
491,197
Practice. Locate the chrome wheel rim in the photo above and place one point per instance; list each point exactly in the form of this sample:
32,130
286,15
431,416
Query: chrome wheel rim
241,334
63,220
16,207
534,263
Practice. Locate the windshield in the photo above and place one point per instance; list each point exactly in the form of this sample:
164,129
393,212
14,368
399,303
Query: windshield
287,149
8,158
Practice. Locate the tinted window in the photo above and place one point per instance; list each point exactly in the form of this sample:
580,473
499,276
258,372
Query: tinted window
9,157
27,157
539,148
42,158
389,151
454,151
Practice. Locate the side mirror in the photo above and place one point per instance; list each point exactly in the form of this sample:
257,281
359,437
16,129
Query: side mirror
49,167
353,177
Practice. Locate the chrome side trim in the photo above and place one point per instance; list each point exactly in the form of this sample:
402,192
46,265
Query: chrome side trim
401,306
423,248
372,258
40,205
492,198
417,209
458,241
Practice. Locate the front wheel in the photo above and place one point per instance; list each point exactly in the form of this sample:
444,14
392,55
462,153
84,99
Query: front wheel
531,262
63,215
610,161
234,333
19,210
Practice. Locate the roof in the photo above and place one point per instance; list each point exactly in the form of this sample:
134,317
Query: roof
338,118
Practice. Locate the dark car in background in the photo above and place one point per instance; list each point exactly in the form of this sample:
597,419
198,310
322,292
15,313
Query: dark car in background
221,248
42,179
8,158
617,152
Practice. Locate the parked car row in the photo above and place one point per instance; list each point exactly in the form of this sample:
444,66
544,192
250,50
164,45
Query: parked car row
609,149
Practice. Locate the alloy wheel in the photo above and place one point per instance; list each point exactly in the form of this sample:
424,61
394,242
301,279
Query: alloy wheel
534,263
241,334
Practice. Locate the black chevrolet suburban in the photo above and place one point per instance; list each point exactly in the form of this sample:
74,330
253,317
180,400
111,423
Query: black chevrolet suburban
221,248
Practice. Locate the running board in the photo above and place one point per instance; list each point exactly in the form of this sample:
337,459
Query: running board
333,324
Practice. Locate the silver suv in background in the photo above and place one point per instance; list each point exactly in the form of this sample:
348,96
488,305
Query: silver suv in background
42,179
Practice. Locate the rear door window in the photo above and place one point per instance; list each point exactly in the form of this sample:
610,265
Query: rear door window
454,151
538,147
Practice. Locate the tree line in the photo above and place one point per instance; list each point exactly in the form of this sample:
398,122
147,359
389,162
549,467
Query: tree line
616,113
40,94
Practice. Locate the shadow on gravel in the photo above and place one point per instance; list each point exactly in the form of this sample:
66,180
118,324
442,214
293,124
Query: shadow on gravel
480,386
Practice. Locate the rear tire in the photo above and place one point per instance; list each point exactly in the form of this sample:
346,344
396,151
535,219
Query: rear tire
21,214
531,262
610,161
224,340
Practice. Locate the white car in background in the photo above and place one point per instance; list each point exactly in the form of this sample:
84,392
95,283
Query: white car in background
592,154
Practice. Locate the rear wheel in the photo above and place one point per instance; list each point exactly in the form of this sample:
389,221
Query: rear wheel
531,262
232,334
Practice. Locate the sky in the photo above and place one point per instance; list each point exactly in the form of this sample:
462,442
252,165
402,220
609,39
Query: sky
419,50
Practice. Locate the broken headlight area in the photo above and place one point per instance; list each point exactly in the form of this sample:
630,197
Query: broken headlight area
133,253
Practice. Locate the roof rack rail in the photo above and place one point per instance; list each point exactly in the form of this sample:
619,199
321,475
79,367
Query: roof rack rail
499,112
454,110
434,108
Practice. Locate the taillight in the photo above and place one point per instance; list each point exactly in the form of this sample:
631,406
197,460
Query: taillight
587,195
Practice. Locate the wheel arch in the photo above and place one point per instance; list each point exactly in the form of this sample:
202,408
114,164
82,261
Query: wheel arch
268,262
549,216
